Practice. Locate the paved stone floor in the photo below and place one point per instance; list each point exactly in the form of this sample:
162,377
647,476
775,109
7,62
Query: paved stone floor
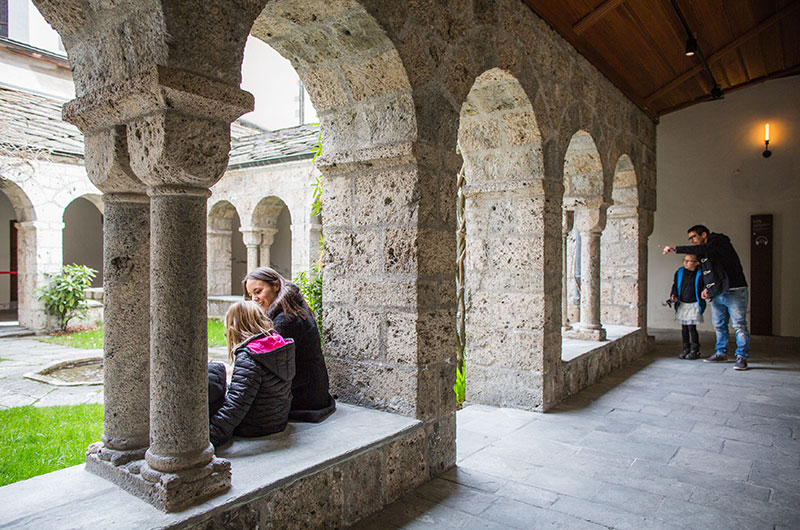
661,444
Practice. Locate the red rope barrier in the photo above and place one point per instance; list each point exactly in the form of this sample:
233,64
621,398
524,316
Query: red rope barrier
8,272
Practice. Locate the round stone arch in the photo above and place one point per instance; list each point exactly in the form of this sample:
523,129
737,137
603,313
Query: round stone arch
272,219
501,146
20,287
82,235
227,259
623,250
351,69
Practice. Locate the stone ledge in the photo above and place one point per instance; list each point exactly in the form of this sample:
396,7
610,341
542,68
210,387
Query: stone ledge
325,475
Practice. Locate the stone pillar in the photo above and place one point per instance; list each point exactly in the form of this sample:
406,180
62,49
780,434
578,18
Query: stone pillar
219,261
590,223
40,253
179,341
267,238
566,228
252,240
126,311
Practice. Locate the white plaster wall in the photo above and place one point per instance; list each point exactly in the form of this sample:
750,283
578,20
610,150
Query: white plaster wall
83,237
290,182
48,187
710,171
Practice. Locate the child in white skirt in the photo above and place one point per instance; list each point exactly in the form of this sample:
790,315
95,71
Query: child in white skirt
689,305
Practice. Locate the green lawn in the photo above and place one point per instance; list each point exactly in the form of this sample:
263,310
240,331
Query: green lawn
93,339
40,440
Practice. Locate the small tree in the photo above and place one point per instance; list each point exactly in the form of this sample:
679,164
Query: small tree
64,296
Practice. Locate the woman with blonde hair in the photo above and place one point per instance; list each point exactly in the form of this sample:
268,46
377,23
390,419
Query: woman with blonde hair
260,394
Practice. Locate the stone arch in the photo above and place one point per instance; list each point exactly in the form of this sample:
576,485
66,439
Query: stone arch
620,253
583,221
350,67
501,146
82,235
272,219
226,251
16,254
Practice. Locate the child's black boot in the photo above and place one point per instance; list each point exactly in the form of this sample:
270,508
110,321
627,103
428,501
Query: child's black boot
694,352
685,353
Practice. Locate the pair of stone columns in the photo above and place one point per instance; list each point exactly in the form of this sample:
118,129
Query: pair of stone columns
590,222
155,169
258,242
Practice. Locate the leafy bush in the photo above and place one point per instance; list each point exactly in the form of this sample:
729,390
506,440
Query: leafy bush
64,296
310,284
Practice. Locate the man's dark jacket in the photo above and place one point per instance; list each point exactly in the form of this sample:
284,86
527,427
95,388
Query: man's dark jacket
720,263
260,394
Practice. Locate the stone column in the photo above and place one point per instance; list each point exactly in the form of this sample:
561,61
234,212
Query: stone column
219,261
267,238
252,240
40,253
179,339
126,311
566,228
590,223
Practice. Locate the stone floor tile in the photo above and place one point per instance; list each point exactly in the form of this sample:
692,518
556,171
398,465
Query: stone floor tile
732,433
692,477
779,455
606,515
628,499
456,496
473,479
677,438
736,503
650,450
649,419
703,401
500,466
526,517
695,516
563,481
728,467
777,426
527,494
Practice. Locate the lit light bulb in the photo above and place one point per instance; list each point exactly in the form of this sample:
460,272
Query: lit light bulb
766,133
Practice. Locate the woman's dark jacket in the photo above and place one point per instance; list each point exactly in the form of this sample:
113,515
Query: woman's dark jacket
311,400
722,269
686,287
258,399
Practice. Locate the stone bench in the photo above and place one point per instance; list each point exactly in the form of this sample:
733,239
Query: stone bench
322,475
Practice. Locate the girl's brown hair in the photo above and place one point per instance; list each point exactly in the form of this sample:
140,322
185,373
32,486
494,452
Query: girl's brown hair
243,320
289,299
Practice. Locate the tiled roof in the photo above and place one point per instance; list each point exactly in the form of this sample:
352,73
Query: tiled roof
294,143
29,121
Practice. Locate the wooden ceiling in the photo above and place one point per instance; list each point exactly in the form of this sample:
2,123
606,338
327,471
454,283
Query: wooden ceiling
640,44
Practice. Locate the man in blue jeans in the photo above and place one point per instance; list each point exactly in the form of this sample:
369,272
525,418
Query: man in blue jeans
725,285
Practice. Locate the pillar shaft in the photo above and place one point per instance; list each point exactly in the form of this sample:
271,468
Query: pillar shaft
178,334
126,365
267,238
590,280
566,228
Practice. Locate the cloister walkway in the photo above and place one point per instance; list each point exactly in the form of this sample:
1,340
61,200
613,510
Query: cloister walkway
659,444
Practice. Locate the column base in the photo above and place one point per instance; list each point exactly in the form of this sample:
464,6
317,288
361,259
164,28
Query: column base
581,333
170,492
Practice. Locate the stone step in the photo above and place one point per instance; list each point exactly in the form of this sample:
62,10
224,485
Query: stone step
14,331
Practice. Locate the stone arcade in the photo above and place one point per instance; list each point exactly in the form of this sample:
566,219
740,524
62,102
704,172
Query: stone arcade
398,86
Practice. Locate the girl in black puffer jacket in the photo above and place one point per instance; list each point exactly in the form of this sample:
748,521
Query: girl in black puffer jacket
260,394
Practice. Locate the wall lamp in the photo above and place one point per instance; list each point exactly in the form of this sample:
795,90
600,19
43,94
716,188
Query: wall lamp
767,153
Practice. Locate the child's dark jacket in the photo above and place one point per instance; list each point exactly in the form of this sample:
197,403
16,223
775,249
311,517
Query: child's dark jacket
688,282
260,394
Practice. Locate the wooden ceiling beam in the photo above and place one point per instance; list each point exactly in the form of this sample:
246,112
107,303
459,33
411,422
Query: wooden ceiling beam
722,52
594,16
793,70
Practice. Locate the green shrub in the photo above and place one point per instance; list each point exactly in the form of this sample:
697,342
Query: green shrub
64,296
310,284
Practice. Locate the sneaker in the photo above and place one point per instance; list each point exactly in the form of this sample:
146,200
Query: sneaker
717,358
741,363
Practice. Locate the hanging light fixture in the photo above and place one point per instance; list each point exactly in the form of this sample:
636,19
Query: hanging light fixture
691,46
